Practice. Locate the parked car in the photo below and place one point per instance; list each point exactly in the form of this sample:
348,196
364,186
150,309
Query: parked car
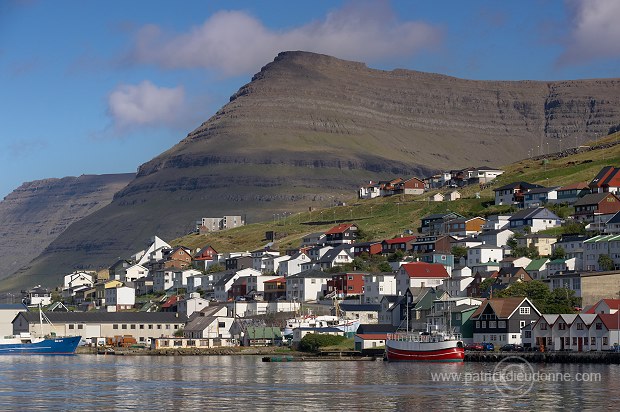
488,346
474,346
511,347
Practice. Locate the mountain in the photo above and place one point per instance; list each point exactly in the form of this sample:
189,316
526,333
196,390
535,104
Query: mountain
35,213
310,128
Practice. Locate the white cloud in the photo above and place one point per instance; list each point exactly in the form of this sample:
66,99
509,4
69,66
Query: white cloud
234,42
145,104
594,33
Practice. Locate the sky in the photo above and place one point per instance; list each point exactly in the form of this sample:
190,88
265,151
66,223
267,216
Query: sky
96,87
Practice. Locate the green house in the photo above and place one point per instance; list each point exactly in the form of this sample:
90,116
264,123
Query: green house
262,336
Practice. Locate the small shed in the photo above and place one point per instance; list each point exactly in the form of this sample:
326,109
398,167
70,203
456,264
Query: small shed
262,336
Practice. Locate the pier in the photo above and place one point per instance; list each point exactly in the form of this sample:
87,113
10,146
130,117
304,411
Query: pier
546,357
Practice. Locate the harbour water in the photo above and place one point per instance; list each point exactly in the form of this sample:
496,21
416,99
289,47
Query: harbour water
89,382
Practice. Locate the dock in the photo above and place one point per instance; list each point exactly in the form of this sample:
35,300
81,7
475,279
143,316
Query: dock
546,357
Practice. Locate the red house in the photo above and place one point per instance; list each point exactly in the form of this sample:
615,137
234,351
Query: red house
595,204
398,243
607,180
344,233
346,284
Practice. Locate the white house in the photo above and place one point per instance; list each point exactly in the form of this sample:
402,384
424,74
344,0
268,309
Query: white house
453,195
496,237
202,282
496,222
272,263
540,196
537,219
162,280
293,265
576,332
260,258
307,285
419,275
456,286
377,285
483,254
180,277
601,245
77,279
134,272
437,197
121,298
192,304
153,253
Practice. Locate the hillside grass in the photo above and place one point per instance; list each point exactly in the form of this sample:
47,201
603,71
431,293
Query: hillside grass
391,216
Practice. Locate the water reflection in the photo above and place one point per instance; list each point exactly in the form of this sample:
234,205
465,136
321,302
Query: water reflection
232,383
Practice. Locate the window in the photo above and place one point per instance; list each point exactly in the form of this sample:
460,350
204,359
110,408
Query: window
501,324
71,326
549,341
605,341
574,341
80,326
566,341
124,326
484,324
221,324
521,324
593,341
350,278
492,324
114,326
150,326
543,326
528,334
477,324
562,326
133,326
141,326
167,326
579,326
158,326
524,311
599,326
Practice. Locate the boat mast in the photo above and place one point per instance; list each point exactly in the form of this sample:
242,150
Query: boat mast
40,319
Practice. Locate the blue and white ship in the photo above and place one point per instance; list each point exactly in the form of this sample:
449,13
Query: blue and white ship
24,344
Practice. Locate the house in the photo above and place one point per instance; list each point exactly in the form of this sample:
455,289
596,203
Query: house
153,253
456,286
120,298
609,306
445,259
307,285
512,193
275,289
508,276
573,248
262,336
377,285
344,233
118,269
144,285
214,224
239,261
483,175
211,323
606,181
464,227
180,277
365,313
272,263
537,268
346,284
496,222
133,273
140,325
205,257
8,312
261,256
496,237
313,239
369,191
501,320
537,219
435,224
367,341
437,197
419,274
556,266
483,254
428,244
335,257
37,296
452,196
402,243
193,303
224,280
569,194
77,279
440,317
162,280
513,262
595,247
293,264
540,196
299,333
542,243
370,248
576,332
565,280
595,205
411,186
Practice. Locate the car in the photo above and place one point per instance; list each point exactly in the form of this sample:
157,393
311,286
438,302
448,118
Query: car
488,346
474,346
511,347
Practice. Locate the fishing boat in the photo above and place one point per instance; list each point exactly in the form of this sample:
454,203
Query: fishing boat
424,347
321,321
25,344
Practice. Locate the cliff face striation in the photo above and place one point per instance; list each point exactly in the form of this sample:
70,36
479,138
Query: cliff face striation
309,128
36,213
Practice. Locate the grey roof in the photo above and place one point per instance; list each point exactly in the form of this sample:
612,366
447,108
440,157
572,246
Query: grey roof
224,279
391,298
108,317
311,273
464,308
591,198
513,185
13,306
376,328
541,190
533,212
494,232
365,307
331,255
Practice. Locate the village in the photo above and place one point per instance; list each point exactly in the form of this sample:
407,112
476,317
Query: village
495,280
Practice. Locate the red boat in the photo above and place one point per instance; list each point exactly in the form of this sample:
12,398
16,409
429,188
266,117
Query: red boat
424,347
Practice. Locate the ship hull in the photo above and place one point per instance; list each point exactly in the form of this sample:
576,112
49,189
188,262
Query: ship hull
411,351
53,346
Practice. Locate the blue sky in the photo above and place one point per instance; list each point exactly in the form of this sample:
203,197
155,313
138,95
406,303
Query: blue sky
92,87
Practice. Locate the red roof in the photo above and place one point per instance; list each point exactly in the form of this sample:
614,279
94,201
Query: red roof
402,239
281,279
579,185
611,321
425,270
341,228
170,302
612,303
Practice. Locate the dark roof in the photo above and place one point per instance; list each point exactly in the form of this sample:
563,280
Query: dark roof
592,198
523,185
330,255
13,306
223,280
464,308
614,219
493,232
200,323
352,307
108,317
541,190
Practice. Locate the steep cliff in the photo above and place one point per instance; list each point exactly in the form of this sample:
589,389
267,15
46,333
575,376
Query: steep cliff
310,127
35,213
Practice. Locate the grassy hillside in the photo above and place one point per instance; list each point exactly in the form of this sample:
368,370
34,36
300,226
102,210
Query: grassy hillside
387,217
